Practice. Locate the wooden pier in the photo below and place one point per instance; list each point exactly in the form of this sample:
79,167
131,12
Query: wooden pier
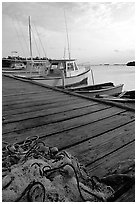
100,135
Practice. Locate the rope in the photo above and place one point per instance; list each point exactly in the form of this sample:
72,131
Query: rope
46,170
28,188
77,179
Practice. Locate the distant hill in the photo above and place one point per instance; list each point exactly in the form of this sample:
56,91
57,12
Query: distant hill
131,63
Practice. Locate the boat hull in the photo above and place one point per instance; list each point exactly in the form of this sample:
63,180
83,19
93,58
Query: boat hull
108,91
83,78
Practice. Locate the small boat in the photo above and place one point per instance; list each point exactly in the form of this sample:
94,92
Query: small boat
124,97
99,89
59,73
14,68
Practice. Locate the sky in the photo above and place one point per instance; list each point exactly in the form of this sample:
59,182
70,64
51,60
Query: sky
98,32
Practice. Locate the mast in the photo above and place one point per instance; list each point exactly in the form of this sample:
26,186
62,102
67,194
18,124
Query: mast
67,35
30,39
31,65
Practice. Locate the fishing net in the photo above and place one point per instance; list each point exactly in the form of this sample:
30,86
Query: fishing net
34,172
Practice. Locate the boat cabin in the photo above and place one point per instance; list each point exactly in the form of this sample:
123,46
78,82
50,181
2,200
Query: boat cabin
69,66
53,67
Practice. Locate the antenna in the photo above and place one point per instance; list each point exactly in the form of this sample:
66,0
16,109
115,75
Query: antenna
67,35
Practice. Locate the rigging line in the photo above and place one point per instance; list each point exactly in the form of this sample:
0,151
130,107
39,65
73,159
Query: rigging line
40,41
20,43
35,43
67,35
22,35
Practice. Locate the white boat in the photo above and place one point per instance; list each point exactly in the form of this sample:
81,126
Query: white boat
59,73
99,89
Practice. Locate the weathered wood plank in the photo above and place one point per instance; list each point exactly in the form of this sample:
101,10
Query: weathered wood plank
21,93
49,106
6,91
104,144
10,88
41,119
9,85
85,132
71,132
128,196
26,97
40,97
110,163
36,102
100,136
35,111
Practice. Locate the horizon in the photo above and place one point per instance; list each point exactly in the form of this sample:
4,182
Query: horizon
104,33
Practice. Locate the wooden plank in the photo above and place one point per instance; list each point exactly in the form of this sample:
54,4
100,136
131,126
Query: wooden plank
30,112
85,132
28,96
104,144
40,97
110,163
37,102
72,131
102,137
42,119
18,86
21,93
12,84
128,196
48,106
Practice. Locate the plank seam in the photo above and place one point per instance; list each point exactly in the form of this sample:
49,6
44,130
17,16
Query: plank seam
26,93
67,128
29,103
60,120
40,116
19,113
84,140
111,152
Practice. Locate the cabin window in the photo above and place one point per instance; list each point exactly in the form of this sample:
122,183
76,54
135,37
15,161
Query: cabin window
54,66
70,66
76,68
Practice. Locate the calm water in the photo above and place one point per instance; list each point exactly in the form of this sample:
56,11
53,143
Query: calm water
116,74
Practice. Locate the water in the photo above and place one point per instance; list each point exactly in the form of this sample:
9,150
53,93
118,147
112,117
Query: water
117,74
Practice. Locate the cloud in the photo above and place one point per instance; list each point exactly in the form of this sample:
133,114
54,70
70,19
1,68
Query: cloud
116,50
94,28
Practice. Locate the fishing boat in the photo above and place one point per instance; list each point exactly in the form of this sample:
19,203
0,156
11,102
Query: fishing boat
99,89
53,72
59,73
